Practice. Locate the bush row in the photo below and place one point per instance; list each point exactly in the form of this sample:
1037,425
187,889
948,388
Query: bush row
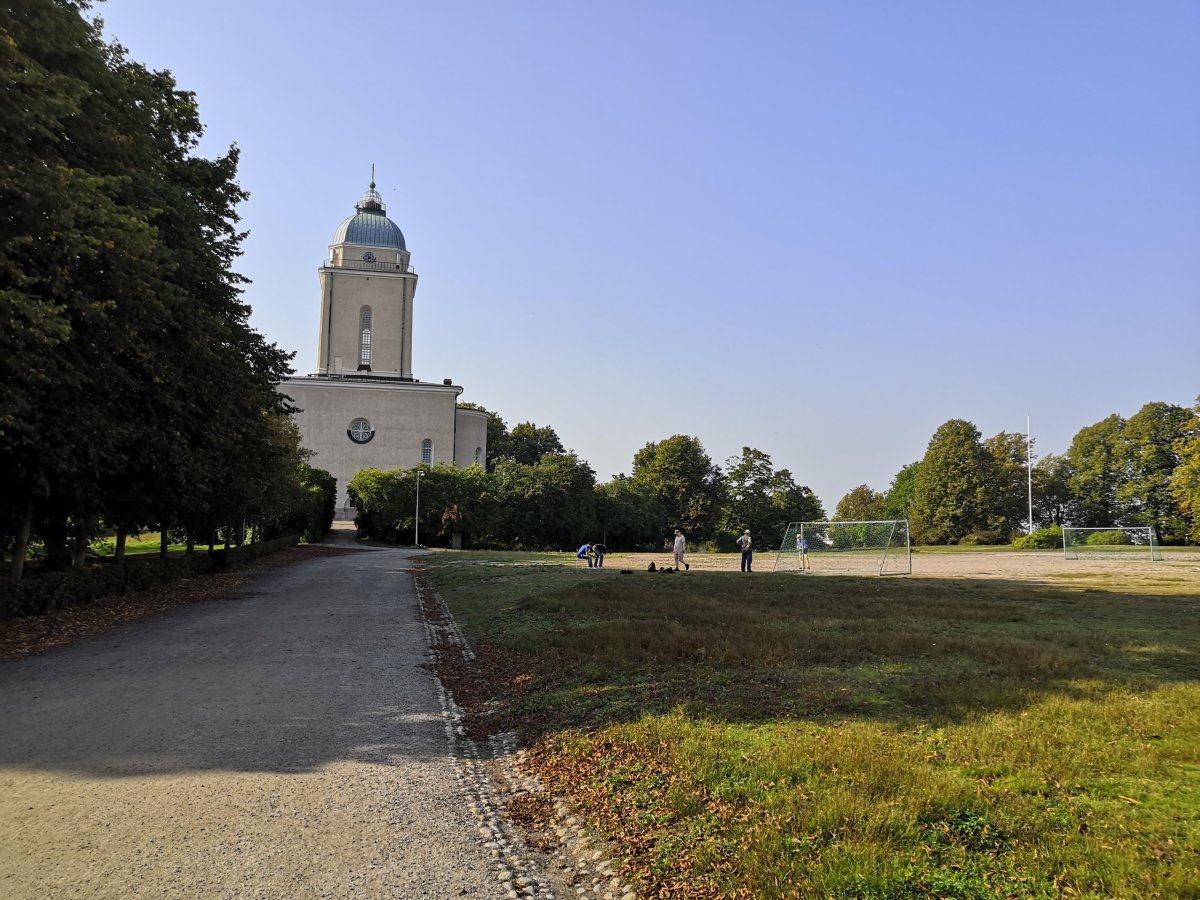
54,590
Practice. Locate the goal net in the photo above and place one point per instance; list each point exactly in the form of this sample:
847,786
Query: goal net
846,548
1110,543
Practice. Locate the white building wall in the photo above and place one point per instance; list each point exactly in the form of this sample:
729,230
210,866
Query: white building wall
402,414
470,437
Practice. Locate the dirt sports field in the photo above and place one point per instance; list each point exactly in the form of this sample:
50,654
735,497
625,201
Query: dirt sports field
1006,564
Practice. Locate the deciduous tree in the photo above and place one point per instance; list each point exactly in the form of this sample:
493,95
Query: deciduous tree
1010,492
1098,469
861,504
1150,459
954,491
1185,481
679,474
528,443
900,492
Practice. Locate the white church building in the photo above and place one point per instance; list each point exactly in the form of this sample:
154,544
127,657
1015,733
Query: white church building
362,408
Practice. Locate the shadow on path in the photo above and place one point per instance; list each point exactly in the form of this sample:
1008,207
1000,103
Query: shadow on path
316,663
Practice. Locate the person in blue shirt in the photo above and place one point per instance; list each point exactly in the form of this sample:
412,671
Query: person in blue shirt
802,552
584,552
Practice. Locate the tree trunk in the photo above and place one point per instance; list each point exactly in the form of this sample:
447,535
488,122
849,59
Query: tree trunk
54,536
119,553
162,544
21,546
191,541
80,529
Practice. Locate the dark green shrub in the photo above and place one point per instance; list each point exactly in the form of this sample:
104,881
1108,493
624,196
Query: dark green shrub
983,537
1043,539
48,591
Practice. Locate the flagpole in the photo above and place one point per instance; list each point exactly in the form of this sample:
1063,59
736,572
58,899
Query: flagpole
1029,469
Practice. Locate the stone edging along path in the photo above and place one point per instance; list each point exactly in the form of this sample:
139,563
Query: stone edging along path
490,778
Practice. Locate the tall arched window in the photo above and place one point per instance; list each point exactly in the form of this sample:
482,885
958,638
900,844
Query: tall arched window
364,353
479,456
427,452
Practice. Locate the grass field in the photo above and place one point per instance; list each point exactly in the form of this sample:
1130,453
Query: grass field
783,736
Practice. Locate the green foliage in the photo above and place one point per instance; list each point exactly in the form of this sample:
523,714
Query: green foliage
955,487
862,504
386,502
762,499
1185,480
119,311
627,515
898,501
985,537
1049,538
1010,493
49,591
551,504
1053,502
1149,445
682,478
528,443
1097,464
305,504
1107,538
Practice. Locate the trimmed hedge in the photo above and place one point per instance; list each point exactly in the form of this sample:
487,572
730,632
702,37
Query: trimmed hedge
56,590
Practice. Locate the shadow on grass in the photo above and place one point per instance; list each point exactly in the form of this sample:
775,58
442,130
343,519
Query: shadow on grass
594,651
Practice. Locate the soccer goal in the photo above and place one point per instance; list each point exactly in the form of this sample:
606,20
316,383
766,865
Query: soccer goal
846,548
1109,543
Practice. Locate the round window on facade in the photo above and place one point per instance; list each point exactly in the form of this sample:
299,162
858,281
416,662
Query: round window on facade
360,431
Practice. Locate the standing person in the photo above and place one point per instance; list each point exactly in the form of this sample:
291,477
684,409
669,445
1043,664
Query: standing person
802,551
585,552
680,550
747,546
598,550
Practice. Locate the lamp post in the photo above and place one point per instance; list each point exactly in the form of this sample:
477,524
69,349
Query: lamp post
417,517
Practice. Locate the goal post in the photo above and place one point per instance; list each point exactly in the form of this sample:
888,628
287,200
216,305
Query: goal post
880,548
1114,542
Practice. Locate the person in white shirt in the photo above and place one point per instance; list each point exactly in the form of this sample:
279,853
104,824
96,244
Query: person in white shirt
680,550
747,546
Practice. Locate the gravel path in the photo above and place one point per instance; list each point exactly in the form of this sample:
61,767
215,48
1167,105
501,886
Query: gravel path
288,743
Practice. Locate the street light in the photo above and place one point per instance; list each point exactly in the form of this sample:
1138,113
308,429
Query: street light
417,518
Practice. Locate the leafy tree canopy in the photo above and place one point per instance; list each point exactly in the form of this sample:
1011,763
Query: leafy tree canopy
1185,481
899,497
679,474
954,490
862,504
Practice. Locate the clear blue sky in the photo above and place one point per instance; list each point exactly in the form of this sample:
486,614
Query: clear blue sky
818,229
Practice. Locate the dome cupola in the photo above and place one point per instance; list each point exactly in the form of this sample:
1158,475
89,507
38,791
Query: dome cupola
370,226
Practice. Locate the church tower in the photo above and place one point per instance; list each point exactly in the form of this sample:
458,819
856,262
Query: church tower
367,291
362,408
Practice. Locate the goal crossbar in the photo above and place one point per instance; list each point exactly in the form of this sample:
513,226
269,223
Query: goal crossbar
880,546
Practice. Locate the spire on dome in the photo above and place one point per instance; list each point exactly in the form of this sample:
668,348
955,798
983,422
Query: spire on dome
371,199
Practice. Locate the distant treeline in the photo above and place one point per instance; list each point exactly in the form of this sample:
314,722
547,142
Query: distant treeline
1144,471
537,495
